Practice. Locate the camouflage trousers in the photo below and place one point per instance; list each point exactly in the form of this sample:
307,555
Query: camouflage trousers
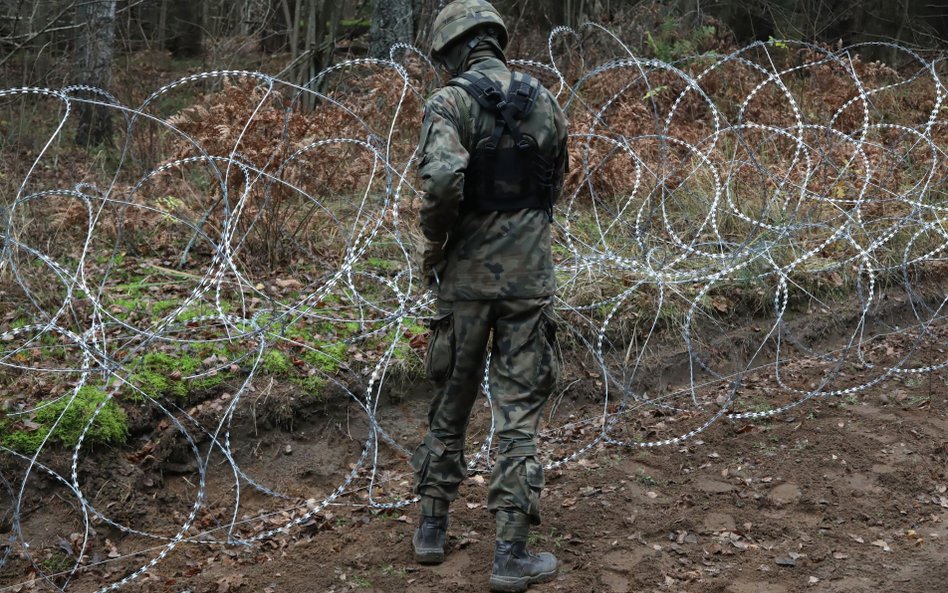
523,369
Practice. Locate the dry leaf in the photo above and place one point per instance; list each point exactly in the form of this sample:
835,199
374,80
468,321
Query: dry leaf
231,582
292,283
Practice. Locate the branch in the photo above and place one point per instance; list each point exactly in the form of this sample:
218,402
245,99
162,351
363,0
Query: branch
38,33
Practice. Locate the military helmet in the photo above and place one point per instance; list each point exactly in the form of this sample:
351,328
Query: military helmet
460,17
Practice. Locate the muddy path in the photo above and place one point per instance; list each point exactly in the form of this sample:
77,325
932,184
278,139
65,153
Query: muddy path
843,494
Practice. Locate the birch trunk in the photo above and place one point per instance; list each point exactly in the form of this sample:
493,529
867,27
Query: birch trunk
95,68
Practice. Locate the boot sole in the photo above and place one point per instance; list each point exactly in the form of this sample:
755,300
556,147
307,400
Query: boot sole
502,584
427,555
432,556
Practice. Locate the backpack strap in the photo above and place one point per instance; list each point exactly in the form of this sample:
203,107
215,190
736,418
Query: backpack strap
489,95
512,106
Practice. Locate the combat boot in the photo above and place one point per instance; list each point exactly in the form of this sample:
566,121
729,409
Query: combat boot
516,568
429,539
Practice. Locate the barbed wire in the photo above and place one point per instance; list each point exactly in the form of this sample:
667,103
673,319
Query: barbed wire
689,192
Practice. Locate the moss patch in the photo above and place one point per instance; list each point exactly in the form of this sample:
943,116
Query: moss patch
161,374
276,363
110,426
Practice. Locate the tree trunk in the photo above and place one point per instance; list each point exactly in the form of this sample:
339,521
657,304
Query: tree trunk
162,23
95,68
425,13
569,12
187,34
391,23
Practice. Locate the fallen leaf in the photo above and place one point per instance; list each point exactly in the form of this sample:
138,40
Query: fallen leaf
880,543
229,583
288,283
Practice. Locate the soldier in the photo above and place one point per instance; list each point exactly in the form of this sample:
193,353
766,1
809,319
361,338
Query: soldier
492,161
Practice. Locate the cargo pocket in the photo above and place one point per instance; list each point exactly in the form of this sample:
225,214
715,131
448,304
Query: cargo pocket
438,471
439,359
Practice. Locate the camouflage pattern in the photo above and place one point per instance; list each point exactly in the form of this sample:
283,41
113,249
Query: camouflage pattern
462,16
489,255
523,371
496,280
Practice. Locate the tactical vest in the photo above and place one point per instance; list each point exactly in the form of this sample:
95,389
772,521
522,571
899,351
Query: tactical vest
508,170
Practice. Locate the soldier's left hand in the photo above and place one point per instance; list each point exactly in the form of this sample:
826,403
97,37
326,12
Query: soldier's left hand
433,260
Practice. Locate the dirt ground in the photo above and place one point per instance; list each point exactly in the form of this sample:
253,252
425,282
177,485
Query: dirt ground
840,495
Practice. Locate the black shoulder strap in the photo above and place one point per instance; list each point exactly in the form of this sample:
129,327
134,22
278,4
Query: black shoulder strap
524,90
515,105
485,91
520,101
489,95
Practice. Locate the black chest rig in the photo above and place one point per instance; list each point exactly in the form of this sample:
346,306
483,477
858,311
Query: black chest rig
508,170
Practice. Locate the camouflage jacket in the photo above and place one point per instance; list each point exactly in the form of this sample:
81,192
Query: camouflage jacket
488,255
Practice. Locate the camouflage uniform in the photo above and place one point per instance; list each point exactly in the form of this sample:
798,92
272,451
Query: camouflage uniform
496,281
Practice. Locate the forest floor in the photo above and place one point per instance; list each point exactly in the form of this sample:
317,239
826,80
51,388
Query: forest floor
839,495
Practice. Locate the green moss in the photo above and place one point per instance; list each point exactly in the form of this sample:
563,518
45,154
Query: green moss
312,385
152,384
327,357
158,308
128,305
196,310
110,426
161,374
276,363
165,363
57,562
386,265
135,287
206,383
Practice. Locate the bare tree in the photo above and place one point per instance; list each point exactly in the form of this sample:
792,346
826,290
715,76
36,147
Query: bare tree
95,67
311,46
571,12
